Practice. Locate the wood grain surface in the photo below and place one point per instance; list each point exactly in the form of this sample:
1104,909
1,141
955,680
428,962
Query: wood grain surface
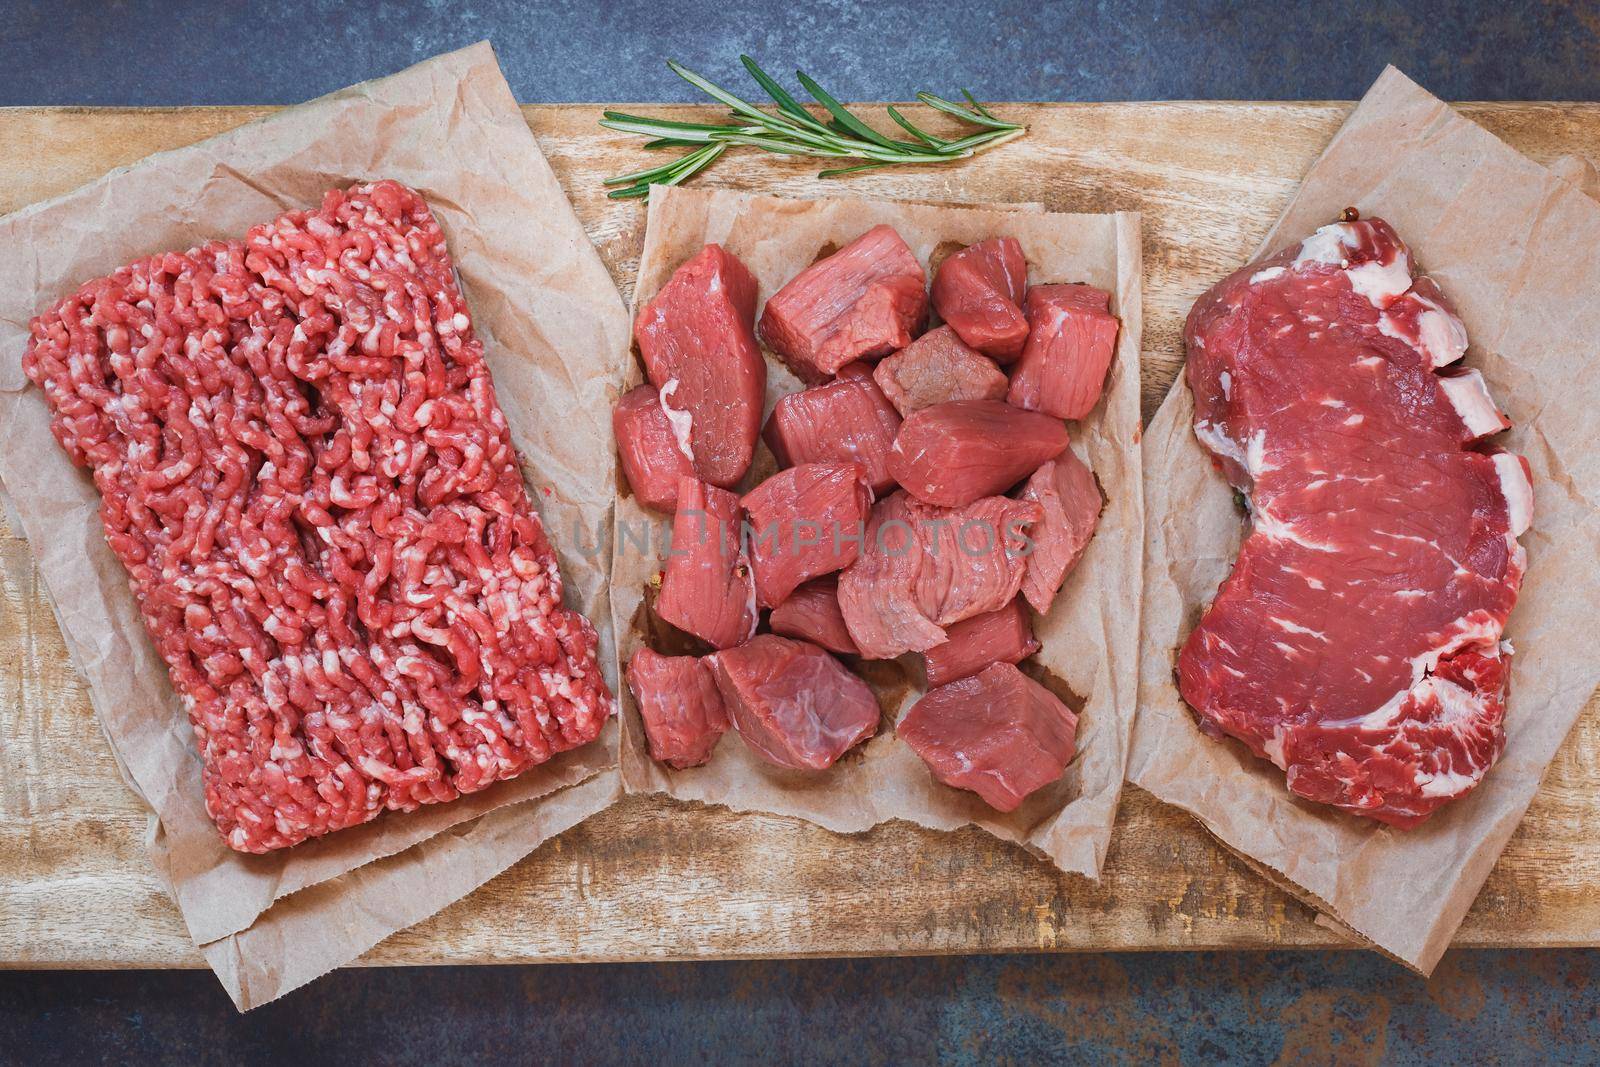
652,879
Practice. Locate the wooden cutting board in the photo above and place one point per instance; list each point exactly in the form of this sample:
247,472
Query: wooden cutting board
651,879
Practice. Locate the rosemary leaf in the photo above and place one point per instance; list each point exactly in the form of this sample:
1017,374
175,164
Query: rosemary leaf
780,95
950,107
677,171
907,125
839,171
794,130
979,108
840,115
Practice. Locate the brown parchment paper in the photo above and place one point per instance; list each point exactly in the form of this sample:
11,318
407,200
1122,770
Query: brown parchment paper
1517,249
550,319
1089,638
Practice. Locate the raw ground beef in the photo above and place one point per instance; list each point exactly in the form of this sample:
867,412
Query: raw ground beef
305,472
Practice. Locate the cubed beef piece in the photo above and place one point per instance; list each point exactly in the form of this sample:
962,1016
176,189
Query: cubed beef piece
653,458
973,556
866,300
979,292
923,568
709,589
1003,636
794,704
680,706
998,733
877,593
697,338
811,613
936,369
1066,492
848,420
1071,338
952,454
805,521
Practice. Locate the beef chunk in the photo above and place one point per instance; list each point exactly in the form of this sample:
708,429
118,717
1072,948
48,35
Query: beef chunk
1071,339
998,733
653,458
680,706
938,368
794,704
952,454
866,300
811,613
697,338
847,420
1005,635
923,568
1066,493
805,521
979,292
708,589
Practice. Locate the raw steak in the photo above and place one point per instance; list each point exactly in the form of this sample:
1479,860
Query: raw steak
998,733
708,589
811,613
866,300
979,292
304,470
680,706
952,454
697,339
1072,338
938,368
794,705
1357,643
653,457
803,522
847,420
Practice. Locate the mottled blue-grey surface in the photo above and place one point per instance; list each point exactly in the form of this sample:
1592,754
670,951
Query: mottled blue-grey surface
184,52
1300,1008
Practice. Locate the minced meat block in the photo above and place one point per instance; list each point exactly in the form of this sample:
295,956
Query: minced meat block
305,472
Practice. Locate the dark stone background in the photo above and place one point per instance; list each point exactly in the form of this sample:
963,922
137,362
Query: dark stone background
225,52
1300,1008
1249,1007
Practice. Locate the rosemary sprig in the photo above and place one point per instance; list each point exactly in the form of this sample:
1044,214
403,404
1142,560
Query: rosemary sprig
792,130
